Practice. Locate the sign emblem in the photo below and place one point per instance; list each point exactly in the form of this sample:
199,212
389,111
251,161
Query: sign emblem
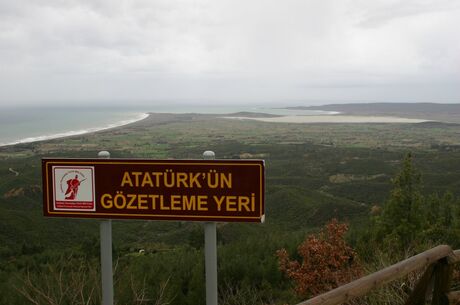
74,188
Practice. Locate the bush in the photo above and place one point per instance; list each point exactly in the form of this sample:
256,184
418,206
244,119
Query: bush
327,261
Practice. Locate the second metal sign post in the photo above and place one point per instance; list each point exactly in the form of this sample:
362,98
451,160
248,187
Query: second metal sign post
210,252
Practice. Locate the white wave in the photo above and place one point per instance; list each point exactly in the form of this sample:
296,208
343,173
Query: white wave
140,117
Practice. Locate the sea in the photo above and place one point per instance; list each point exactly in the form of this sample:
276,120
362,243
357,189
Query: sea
30,124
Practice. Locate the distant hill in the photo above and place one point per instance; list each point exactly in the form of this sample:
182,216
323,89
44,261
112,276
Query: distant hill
430,111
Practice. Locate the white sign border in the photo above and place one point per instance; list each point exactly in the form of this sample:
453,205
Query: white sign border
93,190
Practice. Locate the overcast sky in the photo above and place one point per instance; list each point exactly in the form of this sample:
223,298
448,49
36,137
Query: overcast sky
229,51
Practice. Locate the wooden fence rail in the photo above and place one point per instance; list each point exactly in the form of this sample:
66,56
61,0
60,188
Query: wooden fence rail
437,277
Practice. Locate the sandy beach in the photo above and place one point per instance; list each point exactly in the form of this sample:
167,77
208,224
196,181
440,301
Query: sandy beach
49,136
332,119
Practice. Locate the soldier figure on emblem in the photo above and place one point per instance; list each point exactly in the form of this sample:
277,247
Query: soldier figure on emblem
72,188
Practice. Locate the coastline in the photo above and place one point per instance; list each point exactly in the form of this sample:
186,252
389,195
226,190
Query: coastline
140,117
321,116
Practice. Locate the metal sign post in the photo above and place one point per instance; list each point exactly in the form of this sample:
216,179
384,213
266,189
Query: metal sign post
106,253
210,250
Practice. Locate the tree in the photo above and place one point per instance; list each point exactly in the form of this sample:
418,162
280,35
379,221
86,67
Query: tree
409,220
441,219
402,216
327,261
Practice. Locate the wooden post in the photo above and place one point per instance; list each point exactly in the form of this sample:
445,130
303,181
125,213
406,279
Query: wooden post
419,294
442,281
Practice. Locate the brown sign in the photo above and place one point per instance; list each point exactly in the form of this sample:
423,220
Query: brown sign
190,190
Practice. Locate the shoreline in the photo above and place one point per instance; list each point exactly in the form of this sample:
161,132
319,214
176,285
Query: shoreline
140,117
330,117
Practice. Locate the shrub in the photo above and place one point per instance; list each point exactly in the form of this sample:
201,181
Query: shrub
327,261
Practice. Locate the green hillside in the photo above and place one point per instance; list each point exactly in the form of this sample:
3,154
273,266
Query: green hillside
313,173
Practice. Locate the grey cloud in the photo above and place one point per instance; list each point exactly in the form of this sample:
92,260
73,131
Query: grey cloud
388,11
228,49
